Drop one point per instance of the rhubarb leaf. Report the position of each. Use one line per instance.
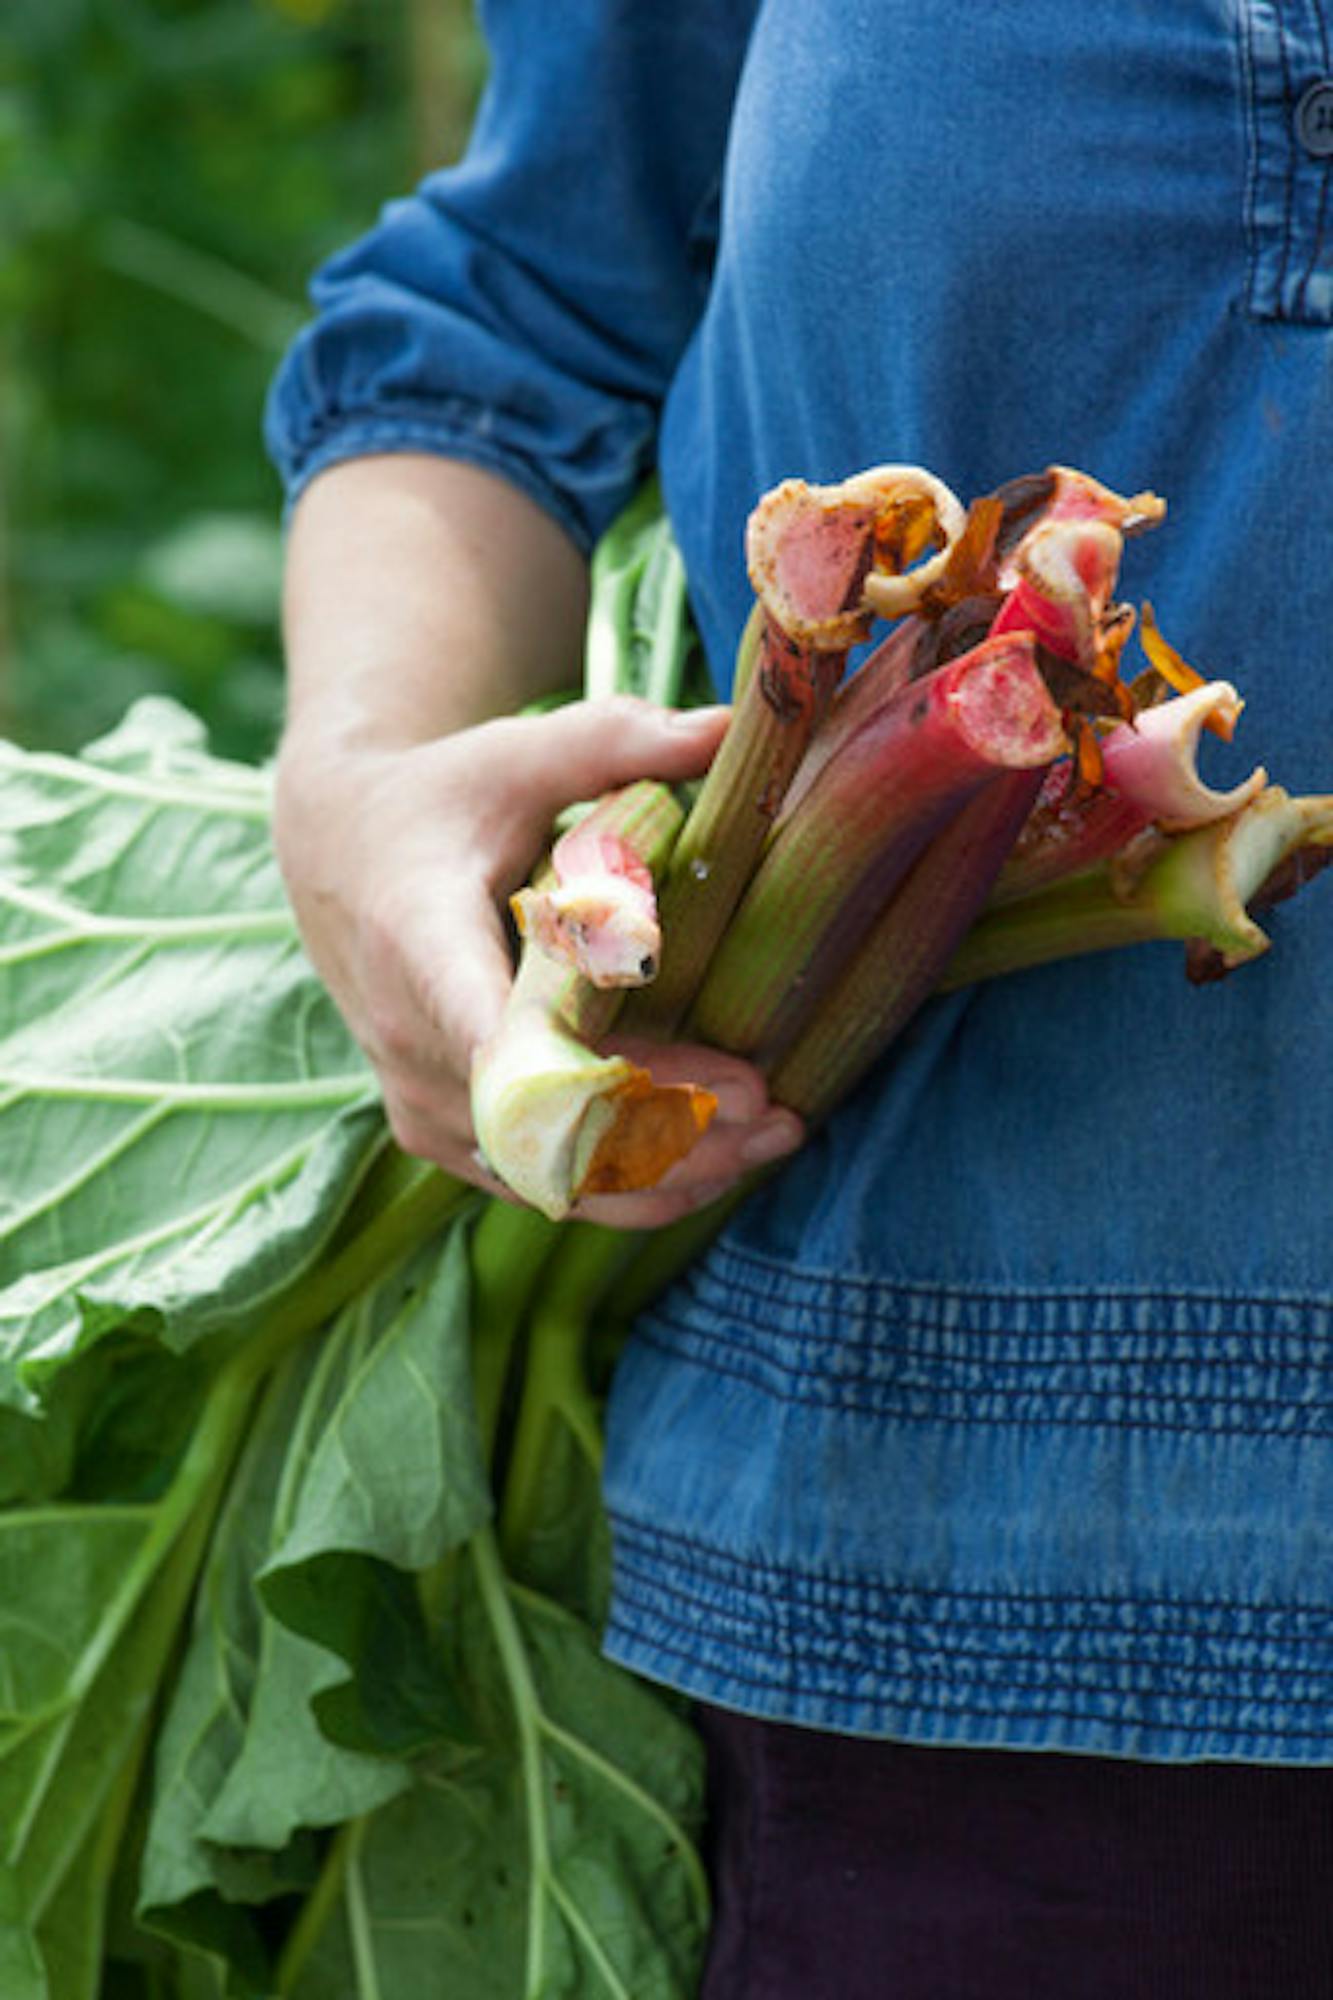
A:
(554, 1857)
(22, 1973)
(244, 1632)
(85, 1638)
(409, 1381)
(267, 1738)
(368, 1529)
(183, 1117)
(240, 1718)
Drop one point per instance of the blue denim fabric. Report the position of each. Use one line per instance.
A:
(1003, 1416)
(527, 309)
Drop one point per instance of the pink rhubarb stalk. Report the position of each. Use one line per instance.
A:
(810, 551)
(904, 952)
(834, 864)
(599, 913)
(1193, 885)
(866, 533)
(1152, 762)
(1150, 777)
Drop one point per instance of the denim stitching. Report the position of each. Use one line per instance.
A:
(920, 1331)
(973, 1652)
(739, 1266)
(1289, 190)
(1303, 291)
(846, 1618)
(958, 1407)
(918, 1702)
(841, 1582)
(995, 1355)
(1278, 1685)
(1213, 1689)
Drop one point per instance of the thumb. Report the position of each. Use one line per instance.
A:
(591, 747)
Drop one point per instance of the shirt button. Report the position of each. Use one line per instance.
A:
(1314, 119)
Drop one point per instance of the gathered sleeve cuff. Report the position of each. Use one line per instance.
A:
(526, 309)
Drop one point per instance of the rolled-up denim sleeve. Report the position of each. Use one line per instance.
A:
(526, 309)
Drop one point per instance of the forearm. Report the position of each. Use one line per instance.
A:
(425, 602)
(423, 595)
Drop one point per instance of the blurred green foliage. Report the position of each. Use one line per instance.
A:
(170, 173)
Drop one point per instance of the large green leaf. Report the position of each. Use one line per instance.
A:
(183, 1116)
(407, 1380)
(242, 1704)
(553, 1858)
(92, 1603)
(257, 1404)
(247, 1763)
(22, 1973)
(365, 1545)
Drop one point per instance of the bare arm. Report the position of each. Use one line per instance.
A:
(423, 595)
(425, 601)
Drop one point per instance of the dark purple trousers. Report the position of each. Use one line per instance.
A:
(854, 1870)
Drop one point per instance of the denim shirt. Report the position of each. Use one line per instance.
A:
(1004, 1415)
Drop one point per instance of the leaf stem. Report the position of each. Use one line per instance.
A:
(523, 1697)
(254, 802)
(170, 1093)
(316, 1911)
(510, 1250)
(555, 1386)
(359, 1927)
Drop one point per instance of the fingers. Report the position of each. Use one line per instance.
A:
(441, 982)
(747, 1133)
(457, 972)
(400, 896)
(591, 747)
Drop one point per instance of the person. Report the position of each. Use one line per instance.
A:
(978, 1483)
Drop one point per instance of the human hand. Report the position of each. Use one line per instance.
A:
(399, 858)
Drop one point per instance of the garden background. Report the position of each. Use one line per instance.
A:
(171, 171)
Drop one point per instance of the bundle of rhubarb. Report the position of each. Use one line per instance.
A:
(988, 789)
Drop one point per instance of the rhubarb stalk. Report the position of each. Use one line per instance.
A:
(595, 907)
(554, 1119)
(905, 950)
(837, 860)
(1150, 776)
(810, 551)
(1194, 885)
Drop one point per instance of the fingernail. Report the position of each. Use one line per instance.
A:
(738, 1103)
(770, 1140)
(697, 718)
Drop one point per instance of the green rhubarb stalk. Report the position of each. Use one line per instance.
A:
(556, 1394)
(1193, 885)
(900, 962)
(783, 695)
(664, 607)
(542, 1101)
(663, 1255)
(508, 1255)
(835, 863)
(553, 1118)
(618, 565)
